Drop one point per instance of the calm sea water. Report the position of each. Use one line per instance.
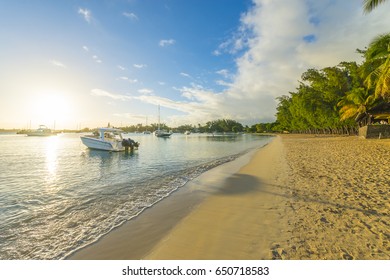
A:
(57, 196)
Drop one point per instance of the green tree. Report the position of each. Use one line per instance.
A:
(358, 99)
(223, 125)
(313, 106)
(283, 114)
(377, 66)
(356, 102)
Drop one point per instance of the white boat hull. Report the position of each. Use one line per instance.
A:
(161, 133)
(41, 134)
(98, 144)
(41, 131)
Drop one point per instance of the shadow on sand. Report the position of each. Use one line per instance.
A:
(239, 184)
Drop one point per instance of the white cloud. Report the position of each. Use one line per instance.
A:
(131, 16)
(103, 93)
(131, 81)
(85, 48)
(216, 52)
(165, 43)
(223, 83)
(120, 67)
(224, 73)
(139, 66)
(185, 75)
(86, 14)
(57, 63)
(230, 46)
(96, 59)
(145, 91)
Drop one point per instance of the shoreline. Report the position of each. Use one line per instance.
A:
(136, 237)
(243, 219)
(298, 197)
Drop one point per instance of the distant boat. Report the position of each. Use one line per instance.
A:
(23, 131)
(108, 139)
(187, 132)
(160, 132)
(41, 131)
(147, 131)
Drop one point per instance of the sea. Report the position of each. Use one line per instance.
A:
(57, 196)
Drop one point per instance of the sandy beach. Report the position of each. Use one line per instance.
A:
(300, 197)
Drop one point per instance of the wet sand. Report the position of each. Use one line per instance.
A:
(297, 198)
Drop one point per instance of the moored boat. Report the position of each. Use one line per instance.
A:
(162, 133)
(43, 130)
(108, 139)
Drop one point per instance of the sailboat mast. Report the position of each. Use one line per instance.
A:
(159, 117)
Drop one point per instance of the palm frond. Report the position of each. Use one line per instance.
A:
(348, 113)
(369, 5)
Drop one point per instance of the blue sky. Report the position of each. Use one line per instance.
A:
(87, 63)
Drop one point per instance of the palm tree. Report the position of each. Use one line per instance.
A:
(355, 102)
(377, 66)
(369, 5)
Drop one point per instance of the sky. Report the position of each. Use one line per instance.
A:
(81, 63)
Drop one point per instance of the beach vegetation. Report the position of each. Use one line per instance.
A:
(377, 66)
(329, 100)
(223, 125)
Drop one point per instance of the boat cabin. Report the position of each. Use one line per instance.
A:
(110, 134)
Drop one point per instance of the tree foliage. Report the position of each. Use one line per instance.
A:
(223, 125)
(330, 99)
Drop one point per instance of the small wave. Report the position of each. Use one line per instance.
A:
(164, 186)
(88, 203)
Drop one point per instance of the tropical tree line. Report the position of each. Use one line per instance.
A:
(220, 125)
(328, 100)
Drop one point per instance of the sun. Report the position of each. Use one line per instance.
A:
(50, 106)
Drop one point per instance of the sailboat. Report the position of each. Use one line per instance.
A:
(159, 132)
(147, 131)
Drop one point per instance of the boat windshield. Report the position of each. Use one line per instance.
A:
(112, 135)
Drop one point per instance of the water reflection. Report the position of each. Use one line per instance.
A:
(100, 155)
(51, 161)
(223, 138)
(108, 159)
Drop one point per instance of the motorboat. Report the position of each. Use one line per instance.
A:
(187, 132)
(43, 130)
(108, 139)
